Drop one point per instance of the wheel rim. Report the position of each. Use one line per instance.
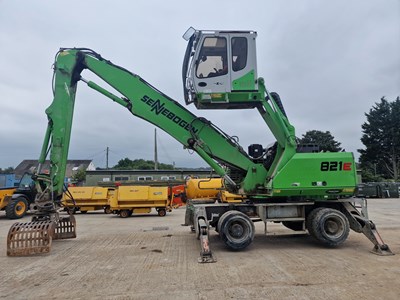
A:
(333, 227)
(238, 231)
(20, 208)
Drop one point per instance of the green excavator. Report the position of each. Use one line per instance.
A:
(298, 185)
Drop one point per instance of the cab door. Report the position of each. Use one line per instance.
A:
(211, 72)
(243, 61)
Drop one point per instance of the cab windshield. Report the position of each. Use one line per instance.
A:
(26, 182)
(213, 58)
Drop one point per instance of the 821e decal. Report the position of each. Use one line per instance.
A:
(335, 166)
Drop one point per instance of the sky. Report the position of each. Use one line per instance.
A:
(330, 61)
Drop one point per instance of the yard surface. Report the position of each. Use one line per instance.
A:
(151, 257)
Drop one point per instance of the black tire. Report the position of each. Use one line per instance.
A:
(222, 219)
(107, 210)
(329, 226)
(16, 208)
(125, 213)
(236, 230)
(84, 211)
(162, 212)
(309, 219)
(70, 210)
(293, 225)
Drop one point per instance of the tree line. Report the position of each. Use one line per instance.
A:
(140, 164)
(8, 170)
(380, 159)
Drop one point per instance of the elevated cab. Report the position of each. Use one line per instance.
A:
(220, 69)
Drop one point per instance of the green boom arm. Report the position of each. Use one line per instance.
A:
(144, 101)
(317, 175)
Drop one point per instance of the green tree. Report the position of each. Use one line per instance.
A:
(79, 175)
(8, 170)
(324, 140)
(140, 164)
(381, 138)
(124, 164)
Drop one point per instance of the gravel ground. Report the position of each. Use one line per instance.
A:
(149, 257)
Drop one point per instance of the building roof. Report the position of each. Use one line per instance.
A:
(151, 171)
(29, 165)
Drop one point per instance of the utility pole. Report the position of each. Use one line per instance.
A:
(107, 150)
(155, 150)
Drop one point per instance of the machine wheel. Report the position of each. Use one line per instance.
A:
(16, 208)
(162, 212)
(236, 230)
(329, 226)
(84, 211)
(107, 210)
(309, 219)
(74, 210)
(293, 225)
(125, 213)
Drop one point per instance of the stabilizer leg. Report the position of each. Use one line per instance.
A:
(361, 224)
(205, 252)
(202, 229)
(373, 235)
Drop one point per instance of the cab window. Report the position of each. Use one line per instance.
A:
(239, 53)
(212, 60)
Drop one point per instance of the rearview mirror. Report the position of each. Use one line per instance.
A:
(188, 34)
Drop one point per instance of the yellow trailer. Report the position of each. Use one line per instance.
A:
(140, 199)
(87, 198)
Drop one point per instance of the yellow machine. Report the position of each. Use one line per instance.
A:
(5, 196)
(210, 189)
(203, 188)
(85, 199)
(140, 199)
(225, 196)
